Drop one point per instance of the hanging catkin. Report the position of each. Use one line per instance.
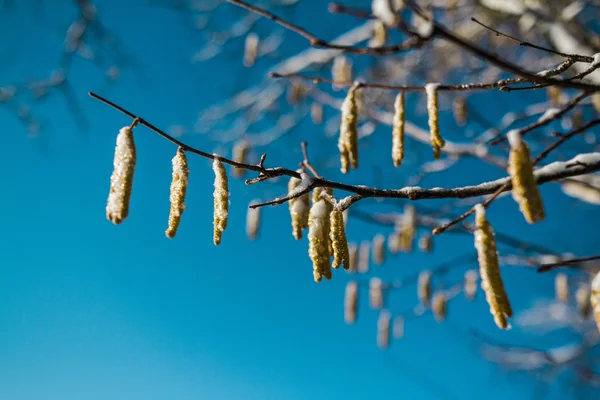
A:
(316, 196)
(595, 299)
(525, 191)
(460, 110)
(554, 95)
(439, 306)
(470, 284)
(383, 329)
(121, 180)
(179, 186)
(341, 71)
(299, 209)
(364, 256)
(351, 302)
(376, 293)
(379, 35)
(394, 242)
(352, 258)
(250, 49)
(398, 122)
(561, 288)
(426, 243)
(582, 297)
(252, 221)
(489, 270)
(240, 155)
(221, 200)
(316, 113)
(348, 140)
(398, 327)
(318, 240)
(379, 249)
(339, 243)
(408, 228)
(424, 288)
(433, 111)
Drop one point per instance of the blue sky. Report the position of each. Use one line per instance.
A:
(89, 310)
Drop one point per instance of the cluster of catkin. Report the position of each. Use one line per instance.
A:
(121, 184)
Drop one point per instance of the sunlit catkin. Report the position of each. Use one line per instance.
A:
(383, 329)
(379, 249)
(348, 140)
(489, 270)
(554, 95)
(299, 210)
(595, 298)
(351, 302)
(398, 327)
(393, 242)
(460, 110)
(252, 221)
(221, 200)
(398, 122)
(339, 242)
(341, 71)
(408, 228)
(379, 35)
(240, 155)
(318, 240)
(376, 293)
(439, 306)
(561, 288)
(121, 180)
(424, 288)
(433, 111)
(364, 256)
(352, 258)
(426, 243)
(582, 298)
(251, 49)
(179, 185)
(470, 284)
(525, 190)
(596, 101)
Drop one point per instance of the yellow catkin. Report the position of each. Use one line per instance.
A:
(489, 270)
(383, 329)
(595, 298)
(318, 240)
(433, 111)
(379, 249)
(408, 228)
(240, 154)
(299, 209)
(424, 288)
(379, 35)
(460, 110)
(121, 180)
(525, 190)
(251, 49)
(426, 243)
(296, 92)
(339, 243)
(341, 71)
(221, 200)
(398, 327)
(252, 221)
(352, 258)
(179, 186)
(596, 101)
(561, 288)
(348, 140)
(316, 196)
(470, 284)
(439, 306)
(582, 298)
(398, 123)
(554, 95)
(316, 113)
(364, 256)
(351, 302)
(393, 242)
(376, 293)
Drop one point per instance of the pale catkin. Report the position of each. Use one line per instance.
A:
(582, 298)
(352, 258)
(393, 242)
(424, 288)
(299, 209)
(439, 306)
(316, 196)
(379, 249)
(179, 184)
(383, 329)
(241, 149)
(398, 327)
(318, 240)
(121, 180)
(351, 302)
(221, 200)
(348, 140)
(398, 122)
(595, 299)
(561, 288)
(408, 228)
(489, 270)
(379, 35)
(433, 111)
(251, 49)
(525, 190)
(376, 293)
(364, 256)
(252, 221)
(341, 71)
(426, 243)
(596, 101)
(470, 284)
(339, 243)
(316, 113)
(554, 95)
(460, 110)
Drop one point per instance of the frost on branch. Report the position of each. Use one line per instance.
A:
(121, 180)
